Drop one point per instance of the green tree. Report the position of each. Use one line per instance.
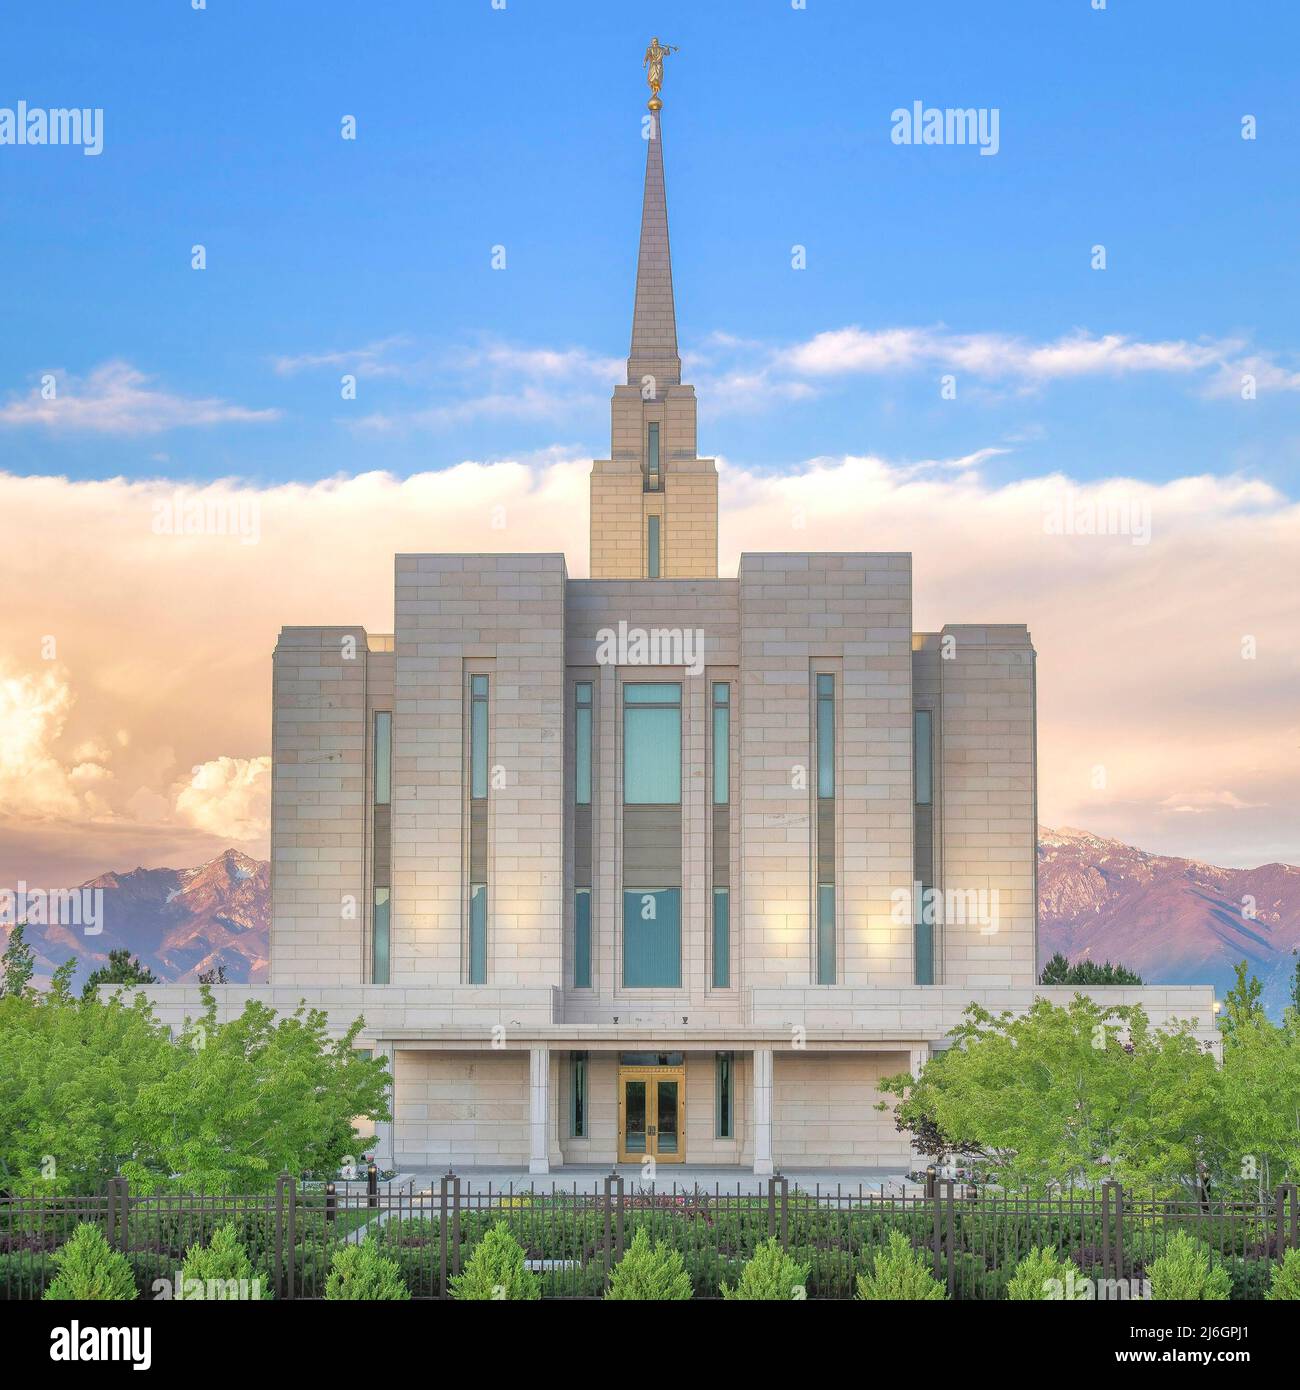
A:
(122, 969)
(221, 1270)
(770, 1274)
(1059, 971)
(1285, 1285)
(1188, 1271)
(900, 1273)
(1060, 1094)
(360, 1273)
(649, 1273)
(495, 1270)
(88, 1269)
(1043, 1274)
(18, 964)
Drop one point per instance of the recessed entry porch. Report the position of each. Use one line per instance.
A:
(659, 1114)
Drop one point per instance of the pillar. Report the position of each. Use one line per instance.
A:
(762, 1112)
(539, 1098)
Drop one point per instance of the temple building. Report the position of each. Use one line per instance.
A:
(661, 863)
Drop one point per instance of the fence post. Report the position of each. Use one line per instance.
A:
(607, 1248)
(443, 1189)
(1286, 1233)
(785, 1210)
(372, 1184)
(949, 1195)
(932, 1192)
(771, 1206)
(618, 1218)
(116, 1215)
(931, 1177)
(1112, 1235)
(286, 1220)
(455, 1223)
(279, 1236)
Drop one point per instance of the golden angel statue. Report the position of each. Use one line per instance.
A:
(654, 66)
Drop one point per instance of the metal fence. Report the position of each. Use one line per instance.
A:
(573, 1238)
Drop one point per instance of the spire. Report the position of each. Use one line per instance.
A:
(654, 319)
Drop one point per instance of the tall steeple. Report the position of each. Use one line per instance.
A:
(654, 317)
(654, 505)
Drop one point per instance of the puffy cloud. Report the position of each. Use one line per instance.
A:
(228, 797)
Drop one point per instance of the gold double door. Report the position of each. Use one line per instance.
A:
(652, 1114)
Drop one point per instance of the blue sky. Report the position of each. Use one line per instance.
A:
(521, 127)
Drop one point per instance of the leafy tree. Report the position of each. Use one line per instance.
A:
(770, 1274)
(360, 1273)
(18, 964)
(495, 1270)
(221, 1270)
(899, 1272)
(122, 969)
(1042, 1274)
(213, 977)
(1059, 971)
(653, 1273)
(1285, 1285)
(258, 1095)
(1187, 1270)
(88, 1269)
(1058, 1095)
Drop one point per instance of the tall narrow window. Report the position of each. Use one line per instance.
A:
(478, 934)
(721, 938)
(652, 457)
(825, 735)
(582, 749)
(582, 938)
(725, 1067)
(478, 736)
(721, 743)
(476, 971)
(652, 938)
(825, 933)
(578, 1095)
(383, 757)
(652, 745)
(381, 840)
(923, 757)
(380, 919)
(652, 547)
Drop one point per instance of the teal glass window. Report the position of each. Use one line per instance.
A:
(478, 736)
(923, 935)
(725, 1069)
(380, 924)
(825, 735)
(721, 938)
(582, 748)
(383, 757)
(652, 745)
(652, 938)
(652, 457)
(652, 547)
(578, 1095)
(721, 743)
(582, 938)
(478, 934)
(923, 757)
(825, 933)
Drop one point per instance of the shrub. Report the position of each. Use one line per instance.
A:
(495, 1270)
(1044, 1273)
(359, 1273)
(88, 1269)
(770, 1274)
(221, 1270)
(900, 1273)
(1286, 1278)
(649, 1272)
(1187, 1271)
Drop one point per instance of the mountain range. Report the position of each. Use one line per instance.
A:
(1174, 921)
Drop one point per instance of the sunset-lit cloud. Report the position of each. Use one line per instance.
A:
(1167, 666)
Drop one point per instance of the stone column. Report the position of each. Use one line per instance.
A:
(539, 1097)
(919, 1056)
(385, 1130)
(762, 1112)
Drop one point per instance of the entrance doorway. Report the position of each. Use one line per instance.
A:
(652, 1114)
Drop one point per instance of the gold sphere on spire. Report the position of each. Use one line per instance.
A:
(654, 66)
